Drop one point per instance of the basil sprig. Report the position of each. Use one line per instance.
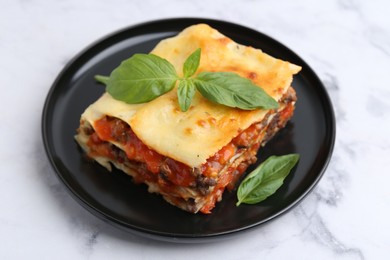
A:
(265, 179)
(144, 77)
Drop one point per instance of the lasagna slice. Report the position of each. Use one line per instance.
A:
(191, 157)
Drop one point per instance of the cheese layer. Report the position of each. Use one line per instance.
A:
(192, 137)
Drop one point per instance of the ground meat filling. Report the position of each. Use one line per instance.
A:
(169, 174)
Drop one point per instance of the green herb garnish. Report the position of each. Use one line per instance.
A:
(144, 77)
(265, 179)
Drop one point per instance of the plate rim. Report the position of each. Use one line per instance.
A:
(165, 236)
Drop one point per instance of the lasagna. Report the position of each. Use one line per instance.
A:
(190, 158)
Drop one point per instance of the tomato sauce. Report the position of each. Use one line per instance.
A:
(178, 174)
(107, 130)
(223, 181)
(286, 113)
(215, 163)
(99, 147)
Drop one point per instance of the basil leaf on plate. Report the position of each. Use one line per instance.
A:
(265, 179)
(191, 64)
(141, 78)
(185, 93)
(231, 90)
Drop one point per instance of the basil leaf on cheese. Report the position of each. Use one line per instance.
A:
(191, 64)
(144, 77)
(141, 78)
(231, 90)
(102, 79)
(185, 93)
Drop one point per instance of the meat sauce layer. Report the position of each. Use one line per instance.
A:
(168, 173)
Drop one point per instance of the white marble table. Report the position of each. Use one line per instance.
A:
(347, 216)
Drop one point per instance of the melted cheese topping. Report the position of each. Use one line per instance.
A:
(192, 137)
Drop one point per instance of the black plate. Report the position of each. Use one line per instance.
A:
(114, 198)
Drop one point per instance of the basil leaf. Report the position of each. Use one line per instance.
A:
(141, 78)
(102, 79)
(265, 179)
(191, 64)
(144, 77)
(185, 93)
(231, 90)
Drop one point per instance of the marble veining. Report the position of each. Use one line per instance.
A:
(332, 86)
(317, 230)
(346, 42)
